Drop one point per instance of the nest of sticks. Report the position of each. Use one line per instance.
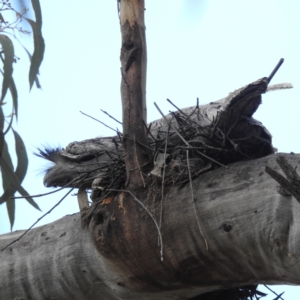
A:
(183, 150)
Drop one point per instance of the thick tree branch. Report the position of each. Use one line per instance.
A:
(253, 233)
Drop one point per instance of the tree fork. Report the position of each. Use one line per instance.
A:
(133, 91)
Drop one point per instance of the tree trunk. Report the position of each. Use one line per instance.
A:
(251, 228)
(133, 92)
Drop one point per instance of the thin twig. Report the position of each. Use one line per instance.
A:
(212, 160)
(178, 109)
(41, 195)
(193, 199)
(275, 70)
(274, 292)
(111, 116)
(170, 123)
(99, 121)
(48, 212)
(163, 180)
(149, 213)
(148, 130)
(143, 145)
(137, 161)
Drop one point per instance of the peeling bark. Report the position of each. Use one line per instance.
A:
(252, 230)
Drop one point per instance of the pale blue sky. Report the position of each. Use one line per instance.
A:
(196, 48)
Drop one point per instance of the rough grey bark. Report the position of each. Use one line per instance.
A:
(252, 231)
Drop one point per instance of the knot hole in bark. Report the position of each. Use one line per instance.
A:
(128, 45)
(226, 227)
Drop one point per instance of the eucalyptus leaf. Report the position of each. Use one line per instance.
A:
(1, 131)
(15, 184)
(8, 50)
(14, 95)
(1, 18)
(8, 188)
(6, 156)
(39, 44)
(21, 156)
(37, 82)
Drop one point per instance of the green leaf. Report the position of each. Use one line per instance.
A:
(15, 185)
(14, 95)
(39, 44)
(22, 166)
(22, 157)
(36, 77)
(8, 192)
(1, 131)
(16, 177)
(1, 18)
(6, 156)
(2, 119)
(8, 50)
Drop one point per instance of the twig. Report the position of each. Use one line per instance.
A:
(275, 70)
(163, 179)
(137, 161)
(278, 296)
(193, 199)
(178, 109)
(99, 121)
(41, 195)
(212, 160)
(149, 213)
(148, 130)
(170, 123)
(138, 168)
(111, 116)
(48, 212)
(132, 139)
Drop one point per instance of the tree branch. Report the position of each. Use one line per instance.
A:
(133, 91)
